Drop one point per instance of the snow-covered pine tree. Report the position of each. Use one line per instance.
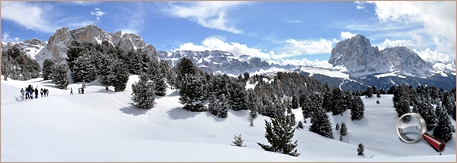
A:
(238, 141)
(218, 106)
(344, 129)
(119, 75)
(369, 92)
(104, 69)
(327, 103)
(444, 128)
(321, 124)
(238, 96)
(47, 69)
(59, 75)
(83, 69)
(252, 104)
(143, 93)
(183, 67)
(75, 49)
(360, 149)
(429, 115)
(279, 134)
(358, 109)
(191, 92)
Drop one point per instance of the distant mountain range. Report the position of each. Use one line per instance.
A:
(356, 64)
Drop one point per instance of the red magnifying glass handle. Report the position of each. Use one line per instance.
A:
(437, 144)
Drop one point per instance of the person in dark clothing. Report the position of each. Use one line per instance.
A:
(26, 93)
(36, 92)
(41, 92)
(71, 91)
(82, 90)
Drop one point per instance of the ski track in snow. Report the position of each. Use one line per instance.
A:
(100, 126)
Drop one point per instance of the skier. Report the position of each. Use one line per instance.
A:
(22, 93)
(36, 92)
(79, 90)
(41, 92)
(106, 88)
(82, 90)
(71, 91)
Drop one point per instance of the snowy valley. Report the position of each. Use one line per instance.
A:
(103, 126)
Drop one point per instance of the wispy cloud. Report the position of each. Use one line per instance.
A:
(132, 18)
(85, 3)
(237, 49)
(28, 15)
(7, 38)
(209, 14)
(294, 21)
(97, 13)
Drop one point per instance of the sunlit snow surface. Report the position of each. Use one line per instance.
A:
(100, 126)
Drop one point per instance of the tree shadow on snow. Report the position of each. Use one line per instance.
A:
(180, 113)
(215, 118)
(239, 113)
(133, 111)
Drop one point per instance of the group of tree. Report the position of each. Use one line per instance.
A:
(422, 100)
(17, 66)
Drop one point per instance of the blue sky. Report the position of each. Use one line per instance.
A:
(285, 32)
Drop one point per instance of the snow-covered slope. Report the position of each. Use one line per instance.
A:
(100, 126)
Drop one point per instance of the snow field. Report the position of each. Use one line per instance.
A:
(100, 126)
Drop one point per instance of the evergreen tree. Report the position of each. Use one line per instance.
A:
(321, 124)
(337, 101)
(83, 69)
(253, 104)
(48, 64)
(238, 141)
(143, 93)
(369, 92)
(104, 69)
(238, 100)
(357, 110)
(119, 76)
(444, 128)
(218, 106)
(279, 134)
(295, 103)
(183, 67)
(59, 75)
(344, 130)
(191, 92)
(360, 149)
(75, 49)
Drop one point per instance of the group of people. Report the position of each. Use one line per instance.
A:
(80, 90)
(29, 91)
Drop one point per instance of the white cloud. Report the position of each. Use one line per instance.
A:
(6, 38)
(437, 18)
(432, 56)
(294, 21)
(360, 5)
(237, 49)
(27, 15)
(398, 43)
(97, 13)
(321, 46)
(132, 18)
(210, 14)
(347, 35)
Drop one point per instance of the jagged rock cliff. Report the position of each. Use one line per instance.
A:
(360, 59)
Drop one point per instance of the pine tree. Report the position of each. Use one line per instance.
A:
(357, 110)
(344, 130)
(83, 69)
(191, 92)
(252, 104)
(238, 96)
(119, 75)
(183, 67)
(369, 92)
(143, 93)
(295, 103)
(104, 69)
(279, 134)
(218, 106)
(360, 149)
(337, 101)
(321, 124)
(238, 141)
(47, 68)
(444, 128)
(59, 75)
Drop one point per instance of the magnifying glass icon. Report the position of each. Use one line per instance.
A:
(411, 128)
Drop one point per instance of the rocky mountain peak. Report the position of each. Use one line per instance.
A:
(360, 59)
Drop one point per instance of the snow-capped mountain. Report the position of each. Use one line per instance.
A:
(361, 59)
(216, 61)
(30, 47)
(56, 47)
